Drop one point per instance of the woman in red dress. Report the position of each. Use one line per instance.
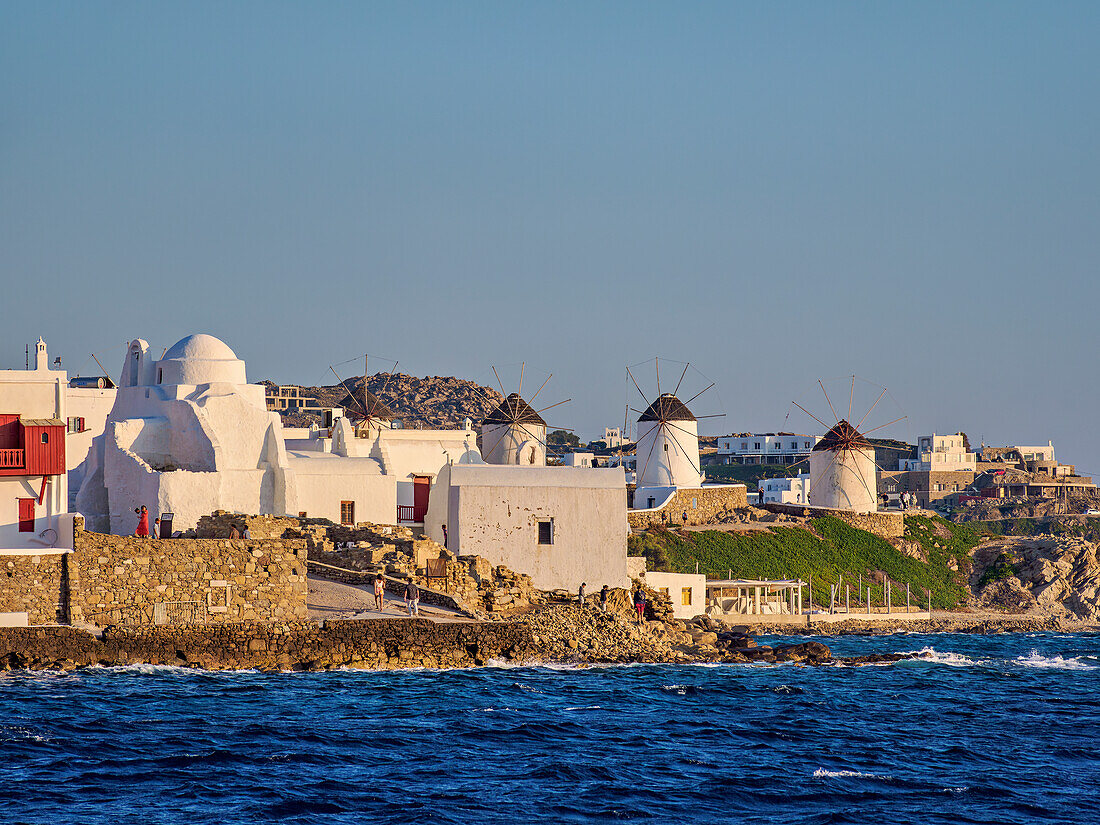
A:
(143, 522)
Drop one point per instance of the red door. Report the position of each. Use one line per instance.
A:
(422, 485)
(26, 515)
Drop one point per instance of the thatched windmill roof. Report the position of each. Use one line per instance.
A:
(843, 436)
(667, 407)
(514, 410)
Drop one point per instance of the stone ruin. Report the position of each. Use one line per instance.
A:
(472, 581)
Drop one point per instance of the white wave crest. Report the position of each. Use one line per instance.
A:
(822, 773)
(1036, 660)
(930, 654)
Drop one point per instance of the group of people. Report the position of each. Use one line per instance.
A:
(412, 596)
(639, 598)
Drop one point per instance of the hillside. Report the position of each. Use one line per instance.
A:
(429, 402)
(935, 556)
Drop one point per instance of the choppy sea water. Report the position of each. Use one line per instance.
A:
(991, 729)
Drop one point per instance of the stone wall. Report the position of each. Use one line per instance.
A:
(703, 505)
(374, 644)
(885, 524)
(123, 580)
(35, 585)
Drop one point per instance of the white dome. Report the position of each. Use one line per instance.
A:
(200, 359)
(200, 346)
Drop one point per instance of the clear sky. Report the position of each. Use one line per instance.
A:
(777, 192)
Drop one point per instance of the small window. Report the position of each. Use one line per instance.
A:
(695, 504)
(45, 438)
(160, 375)
(756, 445)
(666, 446)
(546, 532)
(347, 512)
(744, 445)
(685, 596)
(806, 444)
(301, 514)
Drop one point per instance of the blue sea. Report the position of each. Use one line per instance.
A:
(990, 729)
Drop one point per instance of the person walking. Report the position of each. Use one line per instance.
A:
(379, 593)
(603, 599)
(143, 522)
(156, 528)
(580, 594)
(412, 598)
(685, 517)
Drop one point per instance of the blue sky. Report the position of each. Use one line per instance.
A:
(777, 192)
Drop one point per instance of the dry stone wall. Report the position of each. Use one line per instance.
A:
(124, 580)
(887, 525)
(703, 505)
(35, 585)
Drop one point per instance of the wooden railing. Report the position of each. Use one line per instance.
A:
(11, 459)
(405, 514)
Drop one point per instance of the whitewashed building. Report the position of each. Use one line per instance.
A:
(766, 448)
(791, 490)
(560, 525)
(939, 454)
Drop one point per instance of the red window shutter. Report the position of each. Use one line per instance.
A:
(26, 515)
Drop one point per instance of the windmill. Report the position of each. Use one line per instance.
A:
(667, 444)
(515, 432)
(843, 470)
(376, 415)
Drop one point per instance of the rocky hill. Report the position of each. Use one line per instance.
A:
(428, 402)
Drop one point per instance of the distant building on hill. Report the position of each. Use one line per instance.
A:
(765, 448)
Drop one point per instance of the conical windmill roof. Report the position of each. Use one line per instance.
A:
(667, 407)
(843, 436)
(514, 410)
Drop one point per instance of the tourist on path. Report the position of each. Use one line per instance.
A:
(156, 528)
(247, 534)
(143, 522)
(603, 599)
(639, 603)
(580, 593)
(412, 598)
(379, 593)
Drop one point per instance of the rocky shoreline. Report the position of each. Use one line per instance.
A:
(558, 634)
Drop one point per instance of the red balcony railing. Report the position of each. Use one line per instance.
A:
(14, 459)
(405, 514)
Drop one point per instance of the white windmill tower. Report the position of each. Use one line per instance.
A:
(515, 432)
(843, 471)
(667, 451)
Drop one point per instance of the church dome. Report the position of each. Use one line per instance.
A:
(200, 359)
(202, 347)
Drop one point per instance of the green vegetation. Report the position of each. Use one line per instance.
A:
(1090, 529)
(749, 474)
(832, 550)
(560, 438)
(1001, 568)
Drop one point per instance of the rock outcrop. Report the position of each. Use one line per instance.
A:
(428, 402)
(1057, 575)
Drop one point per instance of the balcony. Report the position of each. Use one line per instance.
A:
(405, 514)
(12, 459)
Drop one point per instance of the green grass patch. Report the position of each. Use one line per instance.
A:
(837, 550)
